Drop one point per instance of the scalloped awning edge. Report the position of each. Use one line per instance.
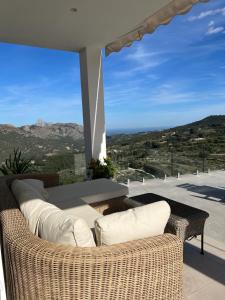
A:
(149, 25)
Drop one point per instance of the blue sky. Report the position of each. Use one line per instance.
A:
(171, 77)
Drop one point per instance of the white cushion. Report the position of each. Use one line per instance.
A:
(48, 221)
(30, 201)
(133, 224)
(37, 185)
(56, 226)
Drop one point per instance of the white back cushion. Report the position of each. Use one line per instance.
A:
(48, 221)
(136, 223)
(30, 201)
(56, 226)
(37, 185)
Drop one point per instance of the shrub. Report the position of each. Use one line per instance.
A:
(153, 170)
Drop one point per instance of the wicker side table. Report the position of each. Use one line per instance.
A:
(185, 221)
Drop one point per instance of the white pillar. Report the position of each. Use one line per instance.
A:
(2, 280)
(93, 103)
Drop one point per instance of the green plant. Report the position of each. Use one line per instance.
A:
(15, 164)
(100, 169)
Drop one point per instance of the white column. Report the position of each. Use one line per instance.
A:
(2, 281)
(93, 103)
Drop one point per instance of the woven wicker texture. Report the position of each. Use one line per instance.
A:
(36, 269)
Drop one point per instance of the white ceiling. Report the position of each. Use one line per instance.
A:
(51, 23)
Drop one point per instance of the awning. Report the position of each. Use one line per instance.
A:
(149, 25)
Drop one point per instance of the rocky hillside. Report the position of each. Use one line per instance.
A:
(54, 131)
(41, 140)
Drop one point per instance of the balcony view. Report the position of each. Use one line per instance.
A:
(112, 150)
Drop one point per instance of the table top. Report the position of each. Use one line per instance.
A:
(93, 191)
(177, 208)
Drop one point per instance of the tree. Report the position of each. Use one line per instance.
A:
(155, 145)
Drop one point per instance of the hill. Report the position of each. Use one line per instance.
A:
(210, 121)
(54, 131)
(198, 145)
(41, 140)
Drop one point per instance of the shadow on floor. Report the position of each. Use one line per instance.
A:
(203, 197)
(207, 192)
(209, 264)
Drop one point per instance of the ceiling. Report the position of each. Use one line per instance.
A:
(52, 24)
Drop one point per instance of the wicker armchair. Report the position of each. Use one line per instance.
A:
(36, 269)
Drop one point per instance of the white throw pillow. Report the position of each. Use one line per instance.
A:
(37, 185)
(30, 201)
(133, 224)
(54, 225)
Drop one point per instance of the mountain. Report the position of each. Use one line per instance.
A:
(55, 131)
(184, 149)
(41, 140)
(210, 121)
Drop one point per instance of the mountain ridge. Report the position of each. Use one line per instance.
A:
(43, 129)
(47, 139)
(49, 130)
(41, 140)
(210, 121)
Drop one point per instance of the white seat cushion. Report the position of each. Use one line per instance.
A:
(136, 223)
(54, 225)
(30, 201)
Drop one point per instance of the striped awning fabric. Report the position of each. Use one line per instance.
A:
(149, 25)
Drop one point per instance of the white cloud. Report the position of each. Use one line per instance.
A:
(207, 13)
(129, 72)
(142, 59)
(213, 30)
(140, 54)
(117, 94)
(171, 93)
(211, 23)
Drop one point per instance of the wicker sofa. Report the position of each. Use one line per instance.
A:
(37, 269)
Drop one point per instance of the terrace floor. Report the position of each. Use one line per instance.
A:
(204, 276)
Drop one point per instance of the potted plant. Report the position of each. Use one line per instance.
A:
(99, 169)
(16, 164)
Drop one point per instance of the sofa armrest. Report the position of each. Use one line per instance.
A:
(48, 179)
